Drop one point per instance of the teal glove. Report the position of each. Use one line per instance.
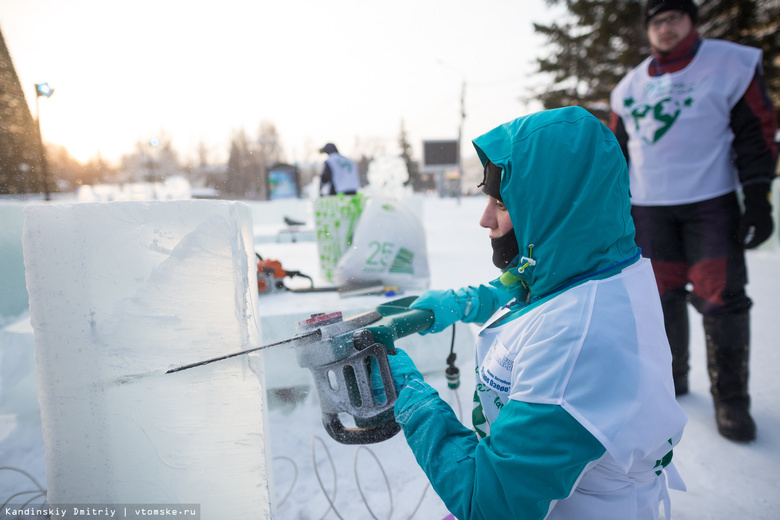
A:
(468, 304)
(403, 369)
(413, 392)
(446, 306)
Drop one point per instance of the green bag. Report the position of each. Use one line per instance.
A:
(335, 219)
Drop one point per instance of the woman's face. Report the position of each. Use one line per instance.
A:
(496, 218)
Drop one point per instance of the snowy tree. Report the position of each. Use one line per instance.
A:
(21, 160)
(152, 161)
(419, 181)
(599, 41)
(248, 162)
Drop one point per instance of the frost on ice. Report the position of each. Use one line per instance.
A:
(119, 293)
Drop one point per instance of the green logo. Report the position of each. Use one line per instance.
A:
(403, 262)
(653, 121)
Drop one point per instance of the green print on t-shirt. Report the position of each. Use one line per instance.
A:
(660, 114)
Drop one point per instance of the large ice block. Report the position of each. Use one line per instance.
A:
(119, 293)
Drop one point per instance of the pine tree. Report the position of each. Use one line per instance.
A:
(595, 46)
(235, 182)
(418, 180)
(749, 22)
(412, 167)
(601, 40)
(20, 150)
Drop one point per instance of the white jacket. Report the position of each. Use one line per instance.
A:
(558, 352)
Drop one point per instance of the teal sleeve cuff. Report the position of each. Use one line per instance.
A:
(488, 300)
(468, 304)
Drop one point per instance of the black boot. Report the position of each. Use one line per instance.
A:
(677, 331)
(728, 349)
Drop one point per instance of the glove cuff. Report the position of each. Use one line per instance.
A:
(412, 397)
(756, 196)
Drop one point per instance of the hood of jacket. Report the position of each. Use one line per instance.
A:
(564, 182)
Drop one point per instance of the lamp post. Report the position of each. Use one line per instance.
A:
(42, 89)
(460, 125)
(460, 137)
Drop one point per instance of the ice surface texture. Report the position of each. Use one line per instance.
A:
(119, 293)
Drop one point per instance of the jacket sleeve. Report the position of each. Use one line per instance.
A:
(619, 129)
(327, 175)
(488, 300)
(326, 181)
(534, 455)
(754, 126)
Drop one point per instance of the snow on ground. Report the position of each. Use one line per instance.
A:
(725, 480)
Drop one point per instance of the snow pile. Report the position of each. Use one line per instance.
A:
(119, 293)
(174, 187)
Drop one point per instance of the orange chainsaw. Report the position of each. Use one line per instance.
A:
(271, 275)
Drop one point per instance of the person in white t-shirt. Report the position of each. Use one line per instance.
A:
(696, 126)
(339, 174)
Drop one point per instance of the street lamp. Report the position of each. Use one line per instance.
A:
(460, 136)
(460, 126)
(42, 89)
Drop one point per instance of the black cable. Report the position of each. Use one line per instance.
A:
(292, 274)
(452, 372)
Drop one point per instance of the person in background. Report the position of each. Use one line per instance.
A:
(575, 414)
(339, 175)
(695, 124)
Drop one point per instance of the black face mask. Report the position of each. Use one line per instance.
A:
(505, 249)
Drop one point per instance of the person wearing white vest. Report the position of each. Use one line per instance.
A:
(575, 415)
(339, 175)
(696, 126)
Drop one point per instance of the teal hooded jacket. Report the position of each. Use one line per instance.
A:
(564, 182)
(566, 189)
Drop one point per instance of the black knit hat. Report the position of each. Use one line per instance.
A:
(491, 182)
(329, 148)
(654, 7)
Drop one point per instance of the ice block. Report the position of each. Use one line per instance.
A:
(119, 293)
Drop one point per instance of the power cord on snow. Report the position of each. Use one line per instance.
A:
(384, 475)
(294, 479)
(37, 493)
(357, 480)
(319, 480)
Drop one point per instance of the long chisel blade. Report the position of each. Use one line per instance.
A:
(312, 334)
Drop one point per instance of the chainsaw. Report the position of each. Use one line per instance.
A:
(271, 275)
(348, 360)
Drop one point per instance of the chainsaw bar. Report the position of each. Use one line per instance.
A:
(316, 328)
(314, 335)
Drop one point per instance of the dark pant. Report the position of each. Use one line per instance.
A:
(696, 244)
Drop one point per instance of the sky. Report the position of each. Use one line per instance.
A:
(342, 71)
